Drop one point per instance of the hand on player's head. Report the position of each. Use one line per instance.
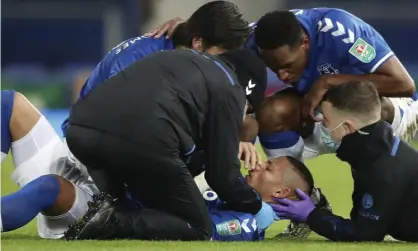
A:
(166, 28)
(279, 178)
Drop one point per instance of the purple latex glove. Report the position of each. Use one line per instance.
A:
(297, 210)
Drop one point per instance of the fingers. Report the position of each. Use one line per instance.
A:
(254, 156)
(162, 30)
(302, 194)
(247, 157)
(306, 106)
(312, 112)
(259, 158)
(240, 151)
(285, 202)
(278, 208)
(249, 154)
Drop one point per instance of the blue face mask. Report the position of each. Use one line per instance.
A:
(326, 138)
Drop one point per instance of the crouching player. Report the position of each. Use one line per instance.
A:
(52, 185)
(280, 117)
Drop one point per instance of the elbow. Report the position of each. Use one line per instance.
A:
(217, 185)
(360, 237)
(407, 86)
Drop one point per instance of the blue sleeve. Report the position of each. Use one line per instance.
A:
(356, 42)
(122, 56)
(119, 58)
(228, 225)
(7, 101)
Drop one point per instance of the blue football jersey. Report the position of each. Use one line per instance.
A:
(119, 58)
(228, 225)
(340, 43)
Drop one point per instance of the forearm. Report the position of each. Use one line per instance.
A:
(337, 228)
(386, 85)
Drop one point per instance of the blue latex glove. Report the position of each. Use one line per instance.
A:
(294, 210)
(265, 217)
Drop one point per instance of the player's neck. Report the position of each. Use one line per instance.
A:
(214, 50)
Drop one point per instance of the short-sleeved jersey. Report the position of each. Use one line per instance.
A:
(119, 58)
(340, 43)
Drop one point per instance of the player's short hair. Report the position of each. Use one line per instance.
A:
(276, 29)
(219, 23)
(303, 172)
(181, 36)
(356, 97)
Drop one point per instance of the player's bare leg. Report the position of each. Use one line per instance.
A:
(48, 194)
(24, 117)
(18, 118)
(40, 158)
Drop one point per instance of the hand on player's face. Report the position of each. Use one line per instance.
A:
(249, 154)
(166, 28)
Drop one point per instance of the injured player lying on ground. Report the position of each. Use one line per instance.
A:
(276, 178)
(55, 186)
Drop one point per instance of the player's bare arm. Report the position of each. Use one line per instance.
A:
(390, 79)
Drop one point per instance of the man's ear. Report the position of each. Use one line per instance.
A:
(197, 44)
(305, 42)
(282, 193)
(349, 126)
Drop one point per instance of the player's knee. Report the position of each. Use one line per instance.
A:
(47, 184)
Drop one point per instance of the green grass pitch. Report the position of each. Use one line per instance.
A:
(333, 176)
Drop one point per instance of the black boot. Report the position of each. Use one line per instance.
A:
(99, 223)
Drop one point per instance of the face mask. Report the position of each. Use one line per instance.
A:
(326, 138)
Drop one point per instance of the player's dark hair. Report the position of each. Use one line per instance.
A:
(276, 29)
(219, 23)
(181, 36)
(303, 171)
(359, 97)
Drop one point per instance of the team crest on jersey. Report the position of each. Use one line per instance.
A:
(327, 69)
(363, 51)
(232, 227)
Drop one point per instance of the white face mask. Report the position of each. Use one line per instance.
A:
(326, 138)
